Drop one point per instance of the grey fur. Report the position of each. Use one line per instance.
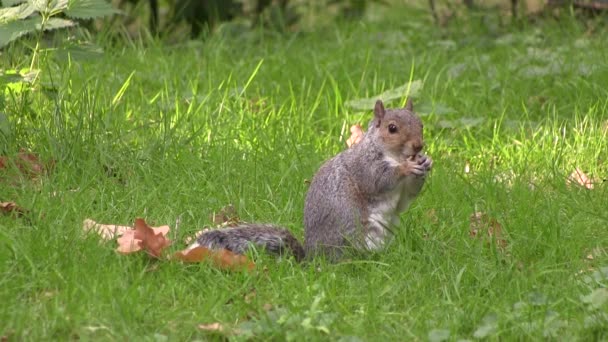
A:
(273, 239)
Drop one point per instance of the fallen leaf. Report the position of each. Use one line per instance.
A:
(579, 177)
(431, 214)
(482, 226)
(597, 298)
(27, 163)
(356, 134)
(226, 217)
(212, 327)
(12, 207)
(106, 231)
(222, 258)
(127, 243)
(250, 296)
(152, 240)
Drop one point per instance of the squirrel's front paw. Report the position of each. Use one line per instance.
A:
(412, 167)
(425, 161)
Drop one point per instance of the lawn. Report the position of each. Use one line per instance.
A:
(173, 132)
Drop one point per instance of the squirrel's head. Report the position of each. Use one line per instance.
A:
(399, 130)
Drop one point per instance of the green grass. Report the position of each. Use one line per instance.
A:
(247, 120)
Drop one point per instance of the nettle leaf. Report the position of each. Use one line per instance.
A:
(7, 3)
(597, 298)
(78, 51)
(17, 12)
(58, 5)
(56, 23)
(40, 5)
(88, 9)
(50, 6)
(439, 335)
(488, 326)
(15, 29)
(387, 96)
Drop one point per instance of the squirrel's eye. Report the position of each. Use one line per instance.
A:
(392, 128)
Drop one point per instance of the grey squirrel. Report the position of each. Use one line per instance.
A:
(354, 199)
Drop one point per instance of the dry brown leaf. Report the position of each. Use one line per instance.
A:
(579, 177)
(431, 214)
(106, 231)
(483, 227)
(151, 239)
(356, 134)
(248, 298)
(12, 207)
(27, 163)
(218, 327)
(127, 243)
(226, 217)
(222, 258)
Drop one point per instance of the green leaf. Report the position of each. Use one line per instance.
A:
(13, 76)
(488, 326)
(88, 9)
(56, 23)
(387, 96)
(40, 5)
(8, 3)
(50, 6)
(59, 6)
(15, 29)
(439, 335)
(78, 51)
(597, 298)
(15, 13)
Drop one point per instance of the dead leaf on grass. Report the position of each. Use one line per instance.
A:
(12, 208)
(356, 134)
(596, 252)
(249, 297)
(431, 214)
(222, 258)
(217, 327)
(579, 177)
(484, 227)
(153, 240)
(106, 231)
(226, 217)
(27, 163)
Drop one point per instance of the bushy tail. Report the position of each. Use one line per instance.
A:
(273, 239)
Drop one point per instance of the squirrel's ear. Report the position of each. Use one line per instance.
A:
(379, 112)
(409, 105)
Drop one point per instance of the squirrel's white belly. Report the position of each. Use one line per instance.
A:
(384, 214)
(387, 208)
